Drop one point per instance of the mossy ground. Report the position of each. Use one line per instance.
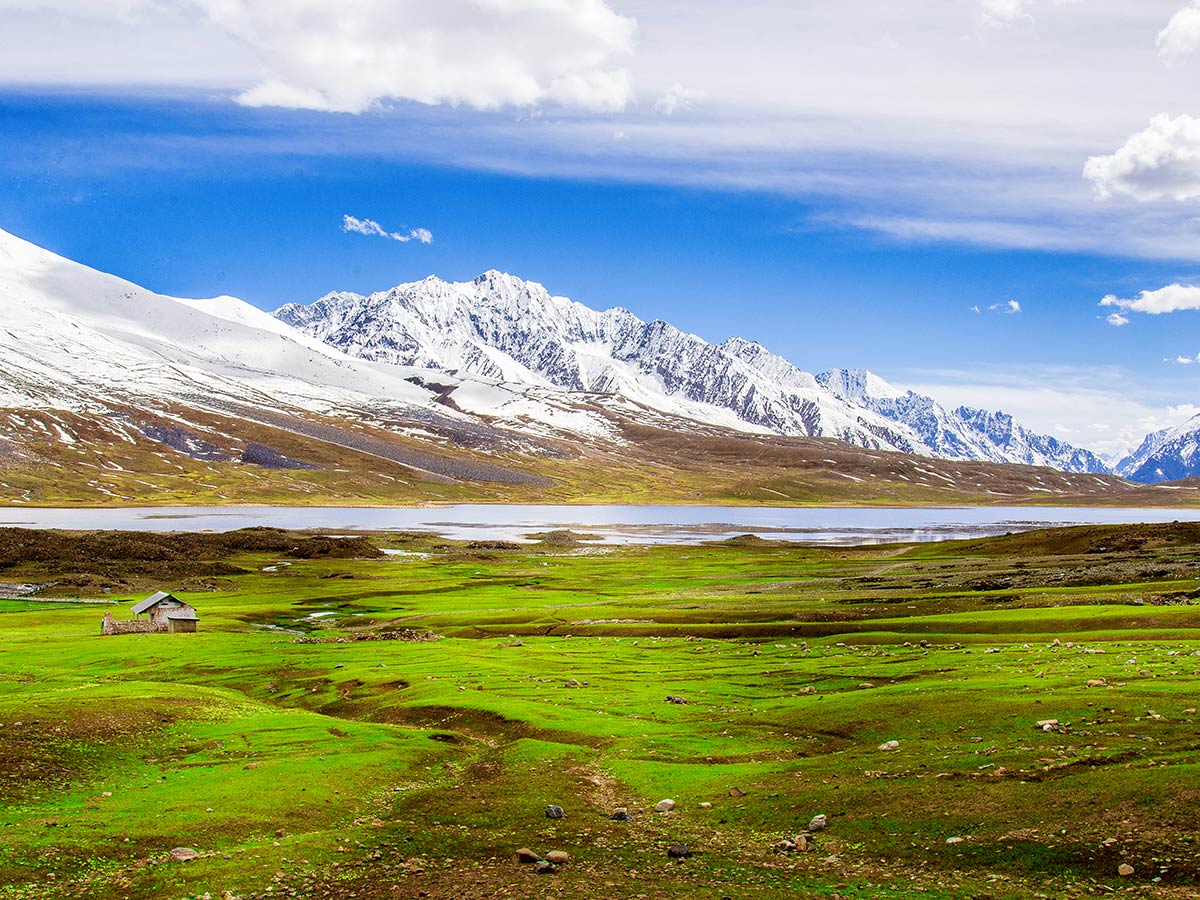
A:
(389, 769)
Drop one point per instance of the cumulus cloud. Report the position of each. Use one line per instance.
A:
(1008, 308)
(1169, 299)
(1160, 163)
(351, 55)
(1116, 320)
(1182, 34)
(1184, 360)
(371, 228)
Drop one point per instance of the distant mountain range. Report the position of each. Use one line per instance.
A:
(501, 327)
(491, 389)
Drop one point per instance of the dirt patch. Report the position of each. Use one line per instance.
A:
(54, 747)
(121, 555)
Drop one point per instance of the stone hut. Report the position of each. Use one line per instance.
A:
(164, 613)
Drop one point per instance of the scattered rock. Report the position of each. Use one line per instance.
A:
(573, 683)
(866, 684)
(954, 840)
(555, 812)
(804, 843)
(620, 814)
(818, 823)
(675, 698)
(1096, 682)
(1125, 870)
(527, 856)
(664, 806)
(183, 854)
(678, 851)
(706, 805)
(736, 792)
(558, 857)
(890, 745)
(543, 867)
(785, 846)
(1048, 725)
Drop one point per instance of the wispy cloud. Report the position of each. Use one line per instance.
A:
(1184, 360)
(1008, 308)
(1116, 320)
(372, 228)
(1169, 299)
(1004, 12)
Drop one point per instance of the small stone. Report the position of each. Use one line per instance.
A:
(183, 854)
(678, 851)
(527, 856)
(558, 857)
(818, 823)
(1125, 870)
(954, 840)
(706, 805)
(804, 843)
(890, 745)
(542, 867)
(555, 812)
(279, 832)
(620, 814)
(664, 806)
(785, 846)
(675, 698)
(736, 792)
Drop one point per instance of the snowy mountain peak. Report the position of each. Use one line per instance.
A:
(1167, 455)
(500, 326)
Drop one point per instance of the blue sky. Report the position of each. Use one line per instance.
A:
(809, 181)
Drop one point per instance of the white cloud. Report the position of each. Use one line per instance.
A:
(1162, 162)
(1004, 12)
(1116, 320)
(1184, 360)
(881, 124)
(1182, 34)
(371, 228)
(975, 309)
(1169, 299)
(676, 98)
(1008, 308)
(351, 55)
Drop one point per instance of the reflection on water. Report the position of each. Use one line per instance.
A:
(613, 524)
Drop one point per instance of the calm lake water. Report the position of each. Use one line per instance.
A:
(614, 524)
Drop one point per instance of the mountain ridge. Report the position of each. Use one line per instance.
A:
(498, 325)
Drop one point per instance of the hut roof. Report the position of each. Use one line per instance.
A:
(152, 601)
(187, 613)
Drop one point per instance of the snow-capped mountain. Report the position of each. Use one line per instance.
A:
(1167, 455)
(962, 433)
(78, 340)
(502, 327)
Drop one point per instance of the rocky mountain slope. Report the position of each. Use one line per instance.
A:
(499, 326)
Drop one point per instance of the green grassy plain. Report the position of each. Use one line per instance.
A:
(395, 769)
